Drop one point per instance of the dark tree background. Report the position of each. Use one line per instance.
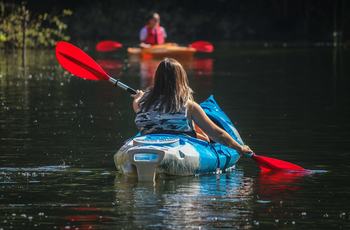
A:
(215, 20)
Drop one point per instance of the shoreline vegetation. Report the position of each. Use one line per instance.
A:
(284, 24)
(20, 28)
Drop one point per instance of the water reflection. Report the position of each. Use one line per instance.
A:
(84, 218)
(202, 67)
(198, 67)
(272, 184)
(188, 200)
(110, 64)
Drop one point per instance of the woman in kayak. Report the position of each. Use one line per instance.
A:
(152, 33)
(168, 107)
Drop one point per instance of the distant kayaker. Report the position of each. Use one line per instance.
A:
(168, 107)
(152, 33)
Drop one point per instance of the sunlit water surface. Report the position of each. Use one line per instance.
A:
(59, 134)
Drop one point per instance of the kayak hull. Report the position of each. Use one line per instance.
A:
(162, 51)
(145, 157)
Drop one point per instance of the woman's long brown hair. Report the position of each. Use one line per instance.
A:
(170, 89)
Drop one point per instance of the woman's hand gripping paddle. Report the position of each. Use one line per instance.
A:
(81, 65)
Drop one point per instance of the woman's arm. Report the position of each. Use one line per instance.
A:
(136, 102)
(212, 130)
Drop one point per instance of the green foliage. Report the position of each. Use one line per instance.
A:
(42, 30)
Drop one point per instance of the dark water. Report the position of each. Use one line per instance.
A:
(59, 133)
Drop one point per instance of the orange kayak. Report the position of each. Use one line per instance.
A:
(160, 51)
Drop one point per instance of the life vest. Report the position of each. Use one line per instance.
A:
(155, 36)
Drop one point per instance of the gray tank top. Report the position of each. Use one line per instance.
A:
(156, 121)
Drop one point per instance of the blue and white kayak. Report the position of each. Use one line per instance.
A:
(145, 157)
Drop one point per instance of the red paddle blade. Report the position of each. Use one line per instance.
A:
(106, 46)
(202, 46)
(78, 63)
(269, 164)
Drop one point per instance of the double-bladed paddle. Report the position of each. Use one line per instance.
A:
(80, 64)
(109, 45)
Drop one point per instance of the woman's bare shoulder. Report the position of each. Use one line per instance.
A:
(193, 107)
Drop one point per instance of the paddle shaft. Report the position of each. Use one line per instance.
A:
(121, 85)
